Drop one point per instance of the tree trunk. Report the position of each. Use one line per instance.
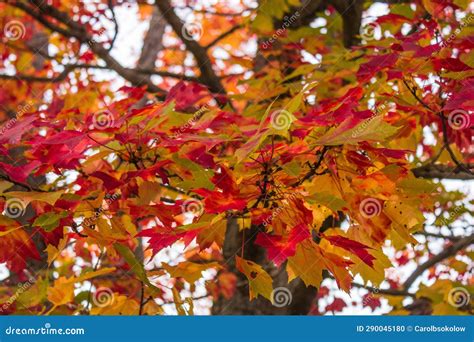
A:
(300, 300)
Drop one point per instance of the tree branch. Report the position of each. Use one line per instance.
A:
(442, 172)
(208, 76)
(78, 31)
(446, 253)
(222, 36)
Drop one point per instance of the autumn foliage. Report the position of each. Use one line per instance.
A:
(252, 151)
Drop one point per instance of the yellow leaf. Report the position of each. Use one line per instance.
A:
(27, 197)
(307, 264)
(149, 192)
(260, 282)
(372, 129)
(62, 292)
(89, 275)
(151, 308)
(180, 305)
(9, 231)
(403, 214)
(121, 305)
(4, 185)
(429, 6)
(129, 225)
(215, 232)
(395, 301)
(52, 252)
(34, 294)
(376, 273)
(189, 271)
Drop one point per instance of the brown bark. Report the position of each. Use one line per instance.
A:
(301, 296)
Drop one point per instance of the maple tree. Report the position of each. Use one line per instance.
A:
(255, 155)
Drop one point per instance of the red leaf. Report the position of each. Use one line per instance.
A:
(451, 64)
(186, 95)
(217, 202)
(280, 248)
(376, 64)
(162, 238)
(225, 180)
(110, 183)
(200, 156)
(337, 305)
(355, 247)
(371, 301)
(19, 173)
(13, 134)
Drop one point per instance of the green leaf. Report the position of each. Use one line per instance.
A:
(372, 129)
(260, 282)
(49, 221)
(201, 177)
(135, 265)
(332, 202)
